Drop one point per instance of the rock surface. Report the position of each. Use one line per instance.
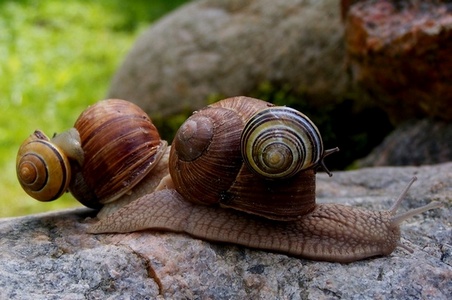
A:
(400, 52)
(414, 143)
(50, 256)
(228, 48)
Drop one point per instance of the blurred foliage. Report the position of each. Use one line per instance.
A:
(56, 58)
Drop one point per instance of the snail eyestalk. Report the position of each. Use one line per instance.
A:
(325, 154)
(397, 219)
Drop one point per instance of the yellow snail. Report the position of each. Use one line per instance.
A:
(211, 185)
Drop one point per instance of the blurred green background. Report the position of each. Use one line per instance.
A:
(56, 58)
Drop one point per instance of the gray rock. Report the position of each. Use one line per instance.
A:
(413, 143)
(50, 256)
(228, 48)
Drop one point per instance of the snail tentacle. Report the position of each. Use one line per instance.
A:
(322, 162)
(399, 218)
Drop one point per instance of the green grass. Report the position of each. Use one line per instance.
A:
(57, 57)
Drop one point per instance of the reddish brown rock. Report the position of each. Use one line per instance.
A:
(399, 51)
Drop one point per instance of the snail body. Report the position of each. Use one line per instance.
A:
(330, 232)
(213, 184)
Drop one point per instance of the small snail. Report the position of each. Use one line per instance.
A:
(243, 171)
(43, 166)
(112, 146)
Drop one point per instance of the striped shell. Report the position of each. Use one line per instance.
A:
(43, 170)
(279, 142)
(120, 145)
(208, 161)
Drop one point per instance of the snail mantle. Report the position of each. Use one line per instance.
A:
(51, 255)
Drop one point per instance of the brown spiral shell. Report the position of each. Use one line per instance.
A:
(120, 145)
(207, 166)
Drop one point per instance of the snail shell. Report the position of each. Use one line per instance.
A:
(279, 142)
(112, 146)
(120, 144)
(249, 155)
(42, 168)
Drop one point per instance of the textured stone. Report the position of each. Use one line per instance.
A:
(414, 143)
(400, 52)
(50, 256)
(228, 48)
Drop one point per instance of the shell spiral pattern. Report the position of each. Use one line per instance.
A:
(42, 168)
(279, 142)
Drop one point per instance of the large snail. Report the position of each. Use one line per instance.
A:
(239, 171)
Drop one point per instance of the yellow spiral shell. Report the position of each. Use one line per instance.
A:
(42, 168)
(278, 142)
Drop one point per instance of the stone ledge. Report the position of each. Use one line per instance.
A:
(49, 256)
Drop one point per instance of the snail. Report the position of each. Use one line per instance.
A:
(112, 146)
(247, 155)
(243, 171)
